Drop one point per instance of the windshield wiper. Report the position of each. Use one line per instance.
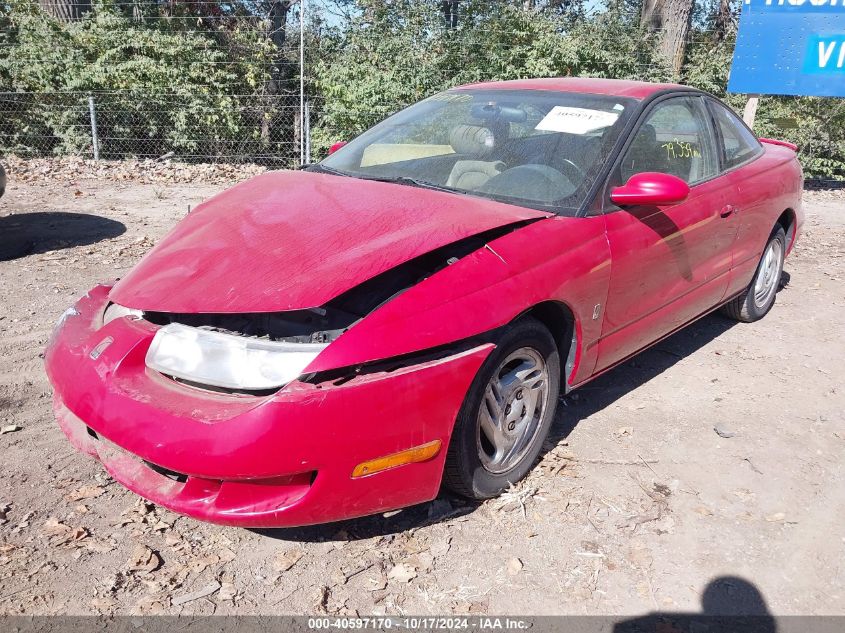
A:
(328, 170)
(398, 180)
(407, 180)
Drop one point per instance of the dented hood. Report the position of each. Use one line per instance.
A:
(291, 240)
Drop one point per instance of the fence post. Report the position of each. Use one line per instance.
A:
(302, 82)
(94, 140)
(750, 112)
(307, 132)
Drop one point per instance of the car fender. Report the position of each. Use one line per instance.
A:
(566, 260)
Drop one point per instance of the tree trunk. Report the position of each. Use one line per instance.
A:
(450, 13)
(671, 19)
(723, 20)
(66, 10)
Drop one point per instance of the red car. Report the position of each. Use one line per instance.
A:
(338, 341)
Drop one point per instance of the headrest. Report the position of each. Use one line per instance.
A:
(647, 134)
(472, 140)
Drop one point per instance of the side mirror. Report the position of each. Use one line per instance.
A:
(651, 188)
(336, 147)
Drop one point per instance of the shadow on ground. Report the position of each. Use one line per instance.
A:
(608, 388)
(580, 404)
(25, 233)
(728, 603)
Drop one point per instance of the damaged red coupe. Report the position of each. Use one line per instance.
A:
(341, 340)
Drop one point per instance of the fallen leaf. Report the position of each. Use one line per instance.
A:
(86, 492)
(227, 591)
(705, 512)
(777, 517)
(11, 428)
(103, 604)
(423, 561)
(723, 431)
(79, 533)
(639, 556)
(377, 583)
(101, 547)
(514, 566)
(283, 561)
(226, 555)
(143, 560)
(441, 546)
(402, 572)
(476, 608)
(149, 605)
(199, 564)
(54, 527)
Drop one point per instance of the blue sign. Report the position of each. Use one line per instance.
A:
(790, 47)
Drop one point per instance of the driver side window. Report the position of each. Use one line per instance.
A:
(673, 139)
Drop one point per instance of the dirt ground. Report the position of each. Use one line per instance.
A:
(639, 505)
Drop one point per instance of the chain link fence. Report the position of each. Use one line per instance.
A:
(237, 81)
(116, 125)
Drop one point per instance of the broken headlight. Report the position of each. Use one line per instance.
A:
(228, 360)
(115, 311)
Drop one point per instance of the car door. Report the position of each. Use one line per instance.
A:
(739, 148)
(669, 264)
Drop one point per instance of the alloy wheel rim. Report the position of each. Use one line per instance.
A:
(769, 274)
(512, 409)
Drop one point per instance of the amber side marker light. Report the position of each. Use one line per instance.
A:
(421, 453)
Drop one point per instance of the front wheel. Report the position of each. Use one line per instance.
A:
(507, 413)
(756, 300)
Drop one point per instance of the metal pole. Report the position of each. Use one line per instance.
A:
(307, 132)
(94, 140)
(302, 82)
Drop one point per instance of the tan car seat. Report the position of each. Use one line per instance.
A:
(478, 143)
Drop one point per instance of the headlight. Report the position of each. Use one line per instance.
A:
(115, 311)
(228, 360)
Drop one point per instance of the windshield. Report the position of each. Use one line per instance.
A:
(534, 148)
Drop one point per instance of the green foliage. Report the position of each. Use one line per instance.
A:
(396, 53)
(816, 125)
(175, 79)
(157, 89)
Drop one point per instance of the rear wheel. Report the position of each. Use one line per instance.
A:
(759, 297)
(506, 414)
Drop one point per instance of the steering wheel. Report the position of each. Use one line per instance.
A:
(532, 182)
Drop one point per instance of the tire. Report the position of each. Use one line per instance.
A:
(759, 297)
(521, 380)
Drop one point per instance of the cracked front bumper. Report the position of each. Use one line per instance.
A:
(253, 461)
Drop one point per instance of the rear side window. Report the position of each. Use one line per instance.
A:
(673, 139)
(738, 143)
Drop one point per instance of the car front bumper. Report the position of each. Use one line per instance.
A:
(253, 461)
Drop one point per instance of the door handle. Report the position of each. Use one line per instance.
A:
(728, 210)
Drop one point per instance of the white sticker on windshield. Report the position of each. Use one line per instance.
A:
(576, 120)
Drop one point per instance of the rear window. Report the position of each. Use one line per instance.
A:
(739, 144)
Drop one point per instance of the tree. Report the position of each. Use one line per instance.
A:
(66, 10)
(723, 20)
(450, 13)
(671, 19)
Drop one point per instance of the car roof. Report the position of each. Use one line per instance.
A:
(617, 87)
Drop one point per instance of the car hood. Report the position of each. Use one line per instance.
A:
(291, 240)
